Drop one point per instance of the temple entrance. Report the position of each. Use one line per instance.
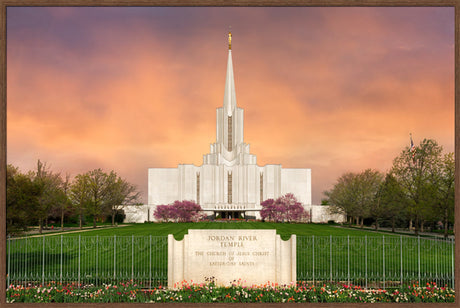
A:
(230, 214)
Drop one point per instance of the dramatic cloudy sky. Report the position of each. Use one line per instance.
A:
(331, 89)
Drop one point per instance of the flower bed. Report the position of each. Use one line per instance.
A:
(210, 293)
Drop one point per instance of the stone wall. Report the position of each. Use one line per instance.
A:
(320, 214)
(251, 257)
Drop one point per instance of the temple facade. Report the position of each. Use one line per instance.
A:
(229, 183)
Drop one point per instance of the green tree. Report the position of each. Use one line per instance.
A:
(66, 204)
(341, 196)
(98, 193)
(100, 187)
(121, 193)
(446, 191)
(355, 194)
(64, 207)
(418, 178)
(22, 196)
(80, 195)
(391, 201)
(52, 193)
(367, 184)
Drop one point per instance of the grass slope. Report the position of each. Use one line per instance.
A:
(139, 251)
(179, 229)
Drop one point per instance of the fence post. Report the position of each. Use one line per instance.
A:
(348, 258)
(132, 257)
(400, 241)
(9, 262)
(313, 258)
(383, 247)
(25, 261)
(60, 273)
(365, 239)
(419, 277)
(97, 257)
(150, 261)
(114, 255)
(79, 256)
(453, 272)
(330, 255)
(43, 259)
(436, 261)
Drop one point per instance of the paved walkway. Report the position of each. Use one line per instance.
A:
(58, 231)
(398, 231)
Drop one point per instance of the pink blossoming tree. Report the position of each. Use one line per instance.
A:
(284, 209)
(179, 211)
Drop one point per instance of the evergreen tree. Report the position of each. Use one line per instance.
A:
(391, 201)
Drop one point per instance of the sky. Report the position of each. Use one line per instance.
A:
(126, 89)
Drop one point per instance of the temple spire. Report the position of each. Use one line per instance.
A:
(229, 40)
(230, 95)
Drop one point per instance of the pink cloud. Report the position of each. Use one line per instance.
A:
(336, 100)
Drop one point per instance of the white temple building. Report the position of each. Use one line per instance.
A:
(229, 183)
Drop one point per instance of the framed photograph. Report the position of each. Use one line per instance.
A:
(230, 106)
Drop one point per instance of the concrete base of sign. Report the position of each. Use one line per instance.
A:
(246, 257)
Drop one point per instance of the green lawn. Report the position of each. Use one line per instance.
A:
(179, 229)
(139, 252)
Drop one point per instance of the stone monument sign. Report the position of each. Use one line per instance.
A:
(252, 257)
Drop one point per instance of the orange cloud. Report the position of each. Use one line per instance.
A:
(338, 91)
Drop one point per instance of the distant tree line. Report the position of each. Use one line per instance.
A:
(35, 197)
(417, 191)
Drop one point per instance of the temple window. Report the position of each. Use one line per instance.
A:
(229, 178)
(230, 133)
